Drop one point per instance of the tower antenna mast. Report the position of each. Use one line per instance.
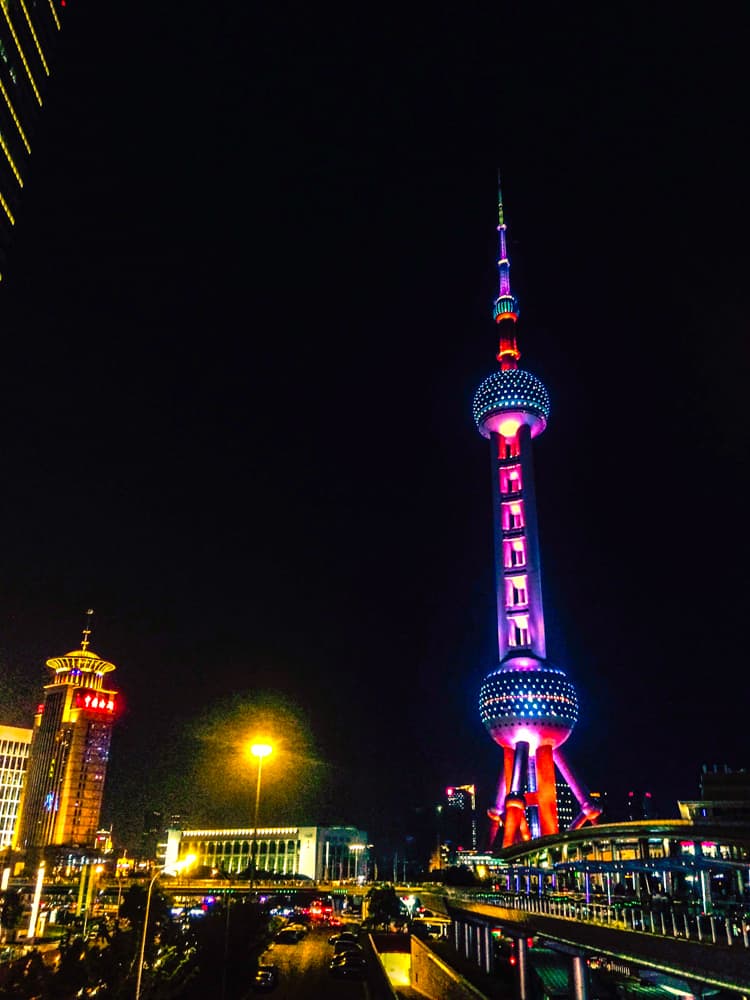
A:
(87, 629)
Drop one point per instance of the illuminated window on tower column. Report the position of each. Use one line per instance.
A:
(516, 592)
(513, 515)
(514, 553)
(507, 447)
(518, 630)
(510, 479)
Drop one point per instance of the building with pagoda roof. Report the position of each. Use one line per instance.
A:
(69, 753)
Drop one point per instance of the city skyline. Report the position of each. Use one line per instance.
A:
(237, 393)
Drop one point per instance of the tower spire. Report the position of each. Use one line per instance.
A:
(505, 310)
(87, 629)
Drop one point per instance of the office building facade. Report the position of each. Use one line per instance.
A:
(321, 853)
(14, 758)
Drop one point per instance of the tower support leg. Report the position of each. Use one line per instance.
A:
(546, 791)
(516, 827)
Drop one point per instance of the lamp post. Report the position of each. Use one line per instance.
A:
(171, 869)
(356, 849)
(259, 750)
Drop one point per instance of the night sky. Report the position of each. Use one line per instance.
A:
(246, 309)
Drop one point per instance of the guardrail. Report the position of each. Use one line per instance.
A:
(706, 928)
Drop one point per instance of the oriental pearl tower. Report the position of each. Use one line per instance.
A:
(527, 704)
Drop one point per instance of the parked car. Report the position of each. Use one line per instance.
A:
(343, 946)
(266, 978)
(349, 965)
(343, 936)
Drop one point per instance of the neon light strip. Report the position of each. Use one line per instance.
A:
(13, 167)
(20, 52)
(14, 116)
(8, 212)
(54, 14)
(33, 35)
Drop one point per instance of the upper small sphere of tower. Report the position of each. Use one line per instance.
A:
(513, 392)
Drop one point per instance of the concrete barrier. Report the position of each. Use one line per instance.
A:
(431, 976)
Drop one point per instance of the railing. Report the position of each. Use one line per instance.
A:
(707, 928)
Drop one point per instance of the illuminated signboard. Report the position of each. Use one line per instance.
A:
(98, 701)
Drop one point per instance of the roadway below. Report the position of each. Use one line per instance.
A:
(303, 971)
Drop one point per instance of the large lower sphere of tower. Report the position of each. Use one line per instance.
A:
(508, 398)
(530, 701)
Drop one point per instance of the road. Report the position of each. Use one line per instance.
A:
(303, 971)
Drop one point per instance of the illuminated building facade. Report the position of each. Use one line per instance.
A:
(69, 753)
(322, 853)
(461, 816)
(724, 797)
(528, 705)
(27, 33)
(14, 757)
(566, 805)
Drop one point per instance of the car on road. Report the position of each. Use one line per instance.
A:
(266, 979)
(343, 936)
(301, 929)
(344, 946)
(349, 965)
(287, 935)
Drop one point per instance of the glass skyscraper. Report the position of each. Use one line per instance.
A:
(27, 35)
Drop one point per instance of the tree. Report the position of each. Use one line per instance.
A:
(133, 906)
(383, 906)
(28, 979)
(11, 912)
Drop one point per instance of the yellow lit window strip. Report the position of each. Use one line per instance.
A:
(54, 14)
(33, 35)
(13, 167)
(8, 212)
(14, 116)
(20, 51)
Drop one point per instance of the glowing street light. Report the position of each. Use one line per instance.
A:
(35, 904)
(259, 750)
(172, 869)
(356, 849)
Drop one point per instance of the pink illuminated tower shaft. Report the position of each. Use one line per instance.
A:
(528, 706)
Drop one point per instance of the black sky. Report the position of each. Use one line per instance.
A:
(243, 319)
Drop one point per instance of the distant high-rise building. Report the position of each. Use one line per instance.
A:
(725, 797)
(27, 35)
(14, 757)
(638, 805)
(566, 804)
(69, 753)
(461, 816)
(156, 825)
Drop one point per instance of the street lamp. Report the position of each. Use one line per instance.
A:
(172, 869)
(356, 849)
(259, 750)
